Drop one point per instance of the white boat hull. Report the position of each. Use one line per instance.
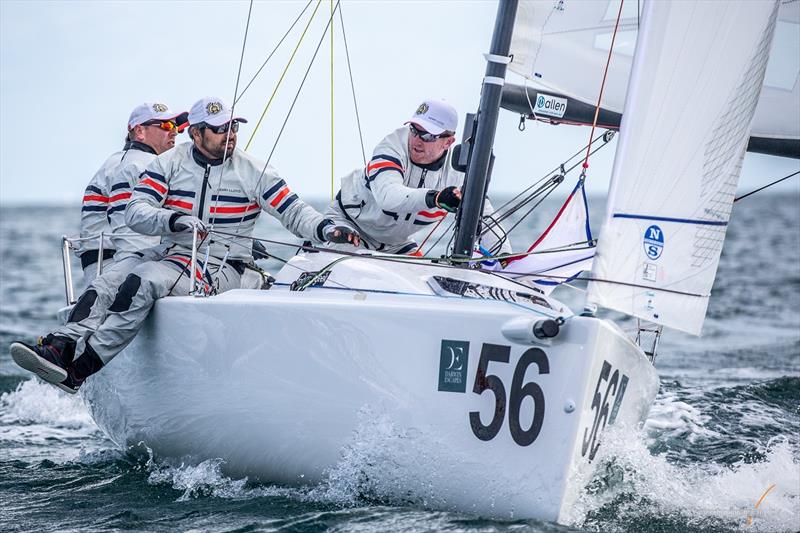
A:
(283, 384)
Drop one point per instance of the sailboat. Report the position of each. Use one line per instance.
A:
(477, 393)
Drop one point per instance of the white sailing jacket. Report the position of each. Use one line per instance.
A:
(94, 211)
(123, 179)
(227, 196)
(386, 200)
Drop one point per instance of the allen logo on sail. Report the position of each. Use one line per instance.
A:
(550, 105)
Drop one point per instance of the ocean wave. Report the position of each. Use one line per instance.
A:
(634, 486)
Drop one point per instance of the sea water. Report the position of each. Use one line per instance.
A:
(720, 450)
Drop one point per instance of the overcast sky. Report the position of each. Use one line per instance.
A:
(70, 72)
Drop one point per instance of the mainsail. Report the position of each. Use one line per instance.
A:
(561, 47)
(693, 91)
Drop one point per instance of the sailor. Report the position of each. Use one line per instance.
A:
(206, 184)
(97, 199)
(408, 184)
(152, 129)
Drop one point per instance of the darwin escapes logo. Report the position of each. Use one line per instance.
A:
(453, 363)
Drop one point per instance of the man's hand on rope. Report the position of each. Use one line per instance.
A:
(448, 199)
(190, 223)
(341, 235)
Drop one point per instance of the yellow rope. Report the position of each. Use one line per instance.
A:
(332, 25)
(274, 92)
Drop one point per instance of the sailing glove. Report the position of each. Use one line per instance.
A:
(183, 223)
(341, 235)
(448, 199)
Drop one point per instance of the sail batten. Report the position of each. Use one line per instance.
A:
(692, 94)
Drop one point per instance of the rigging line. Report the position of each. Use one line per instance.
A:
(551, 183)
(445, 232)
(283, 126)
(603, 84)
(291, 108)
(352, 86)
(404, 258)
(264, 64)
(283, 74)
(767, 185)
(228, 137)
(599, 280)
(284, 261)
(332, 128)
(419, 248)
(233, 106)
(533, 195)
(573, 156)
(410, 260)
(297, 95)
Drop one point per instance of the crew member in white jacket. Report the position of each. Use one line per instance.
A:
(100, 198)
(408, 184)
(206, 184)
(152, 131)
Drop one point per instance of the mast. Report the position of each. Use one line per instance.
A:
(488, 111)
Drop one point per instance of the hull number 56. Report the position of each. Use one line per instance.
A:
(497, 353)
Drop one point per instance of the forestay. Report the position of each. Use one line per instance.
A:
(561, 46)
(693, 90)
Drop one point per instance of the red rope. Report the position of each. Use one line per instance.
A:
(603, 85)
(418, 251)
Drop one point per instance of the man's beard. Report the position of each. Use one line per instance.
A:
(218, 151)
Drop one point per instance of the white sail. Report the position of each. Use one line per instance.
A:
(694, 86)
(562, 46)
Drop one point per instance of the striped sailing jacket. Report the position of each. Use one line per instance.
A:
(94, 212)
(227, 196)
(123, 179)
(386, 200)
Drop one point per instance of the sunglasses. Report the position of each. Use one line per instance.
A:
(166, 125)
(425, 136)
(233, 125)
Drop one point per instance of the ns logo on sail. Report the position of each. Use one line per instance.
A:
(653, 242)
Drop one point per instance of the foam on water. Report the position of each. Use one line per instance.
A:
(40, 422)
(35, 402)
(672, 418)
(634, 483)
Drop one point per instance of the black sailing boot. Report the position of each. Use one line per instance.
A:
(48, 359)
(84, 366)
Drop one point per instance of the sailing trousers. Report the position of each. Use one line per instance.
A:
(91, 307)
(144, 285)
(90, 271)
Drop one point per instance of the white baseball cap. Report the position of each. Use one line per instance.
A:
(435, 116)
(211, 110)
(154, 111)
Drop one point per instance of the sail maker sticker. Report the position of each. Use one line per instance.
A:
(653, 242)
(549, 105)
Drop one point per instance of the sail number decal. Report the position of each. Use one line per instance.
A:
(610, 386)
(500, 354)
